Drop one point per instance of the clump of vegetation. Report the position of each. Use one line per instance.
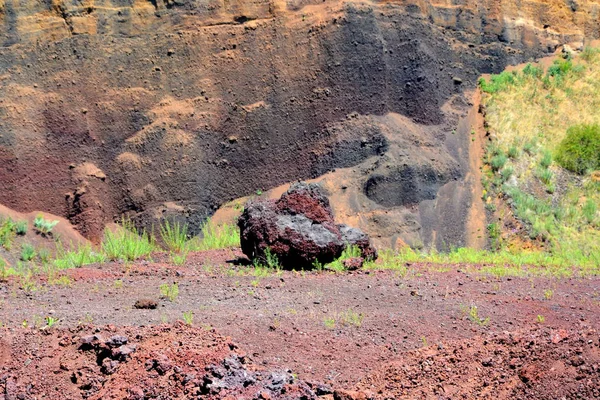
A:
(127, 243)
(21, 228)
(579, 151)
(188, 317)
(169, 292)
(27, 252)
(44, 226)
(216, 237)
(270, 261)
(76, 258)
(174, 235)
(351, 317)
(7, 232)
(473, 315)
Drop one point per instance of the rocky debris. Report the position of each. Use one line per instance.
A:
(299, 229)
(160, 363)
(145, 304)
(233, 377)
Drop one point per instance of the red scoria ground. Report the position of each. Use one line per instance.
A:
(366, 334)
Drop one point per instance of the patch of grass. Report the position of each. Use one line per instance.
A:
(7, 232)
(268, 262)
(541, 319)
(473, 315)
(174, 236)
(50, 322)
(179, 258)
(498, 161)
(545, 175)
(188, 317)
(5, 270)
(548, 294)
(21, 228)
(127, 243)
(351, 317)
(329, 322)
(590, 210)
(169, 292)
(546, 159)
(44, 226)
(216, 237)
(513, 152)
(76, 258)
(27, 252)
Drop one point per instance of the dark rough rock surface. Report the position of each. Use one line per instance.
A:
(299, 229)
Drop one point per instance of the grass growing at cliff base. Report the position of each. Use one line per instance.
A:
(216, 237)
(567, 263)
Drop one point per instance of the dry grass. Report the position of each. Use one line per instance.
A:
(530, 111)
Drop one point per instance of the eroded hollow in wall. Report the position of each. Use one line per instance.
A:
(408, 185)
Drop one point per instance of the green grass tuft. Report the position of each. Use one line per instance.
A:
(127, 243)
(174, 236)
(216, 237)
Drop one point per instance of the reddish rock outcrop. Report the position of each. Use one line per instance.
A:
(299, 229)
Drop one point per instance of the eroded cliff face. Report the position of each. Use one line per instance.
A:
(153, 108)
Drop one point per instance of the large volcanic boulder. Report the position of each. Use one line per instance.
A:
(299, 229)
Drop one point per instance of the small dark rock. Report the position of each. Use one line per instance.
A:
(117, 340)
(147, 304)
(354, 263)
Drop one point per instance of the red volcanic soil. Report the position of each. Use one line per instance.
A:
(367, 334)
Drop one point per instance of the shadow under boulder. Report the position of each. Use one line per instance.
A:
(299, 229)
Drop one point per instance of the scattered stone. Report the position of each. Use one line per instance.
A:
(109, 366)
(354, 263)
(349, 395)
(145, 304)
(116, 341)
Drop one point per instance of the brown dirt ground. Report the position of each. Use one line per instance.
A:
(414, 339)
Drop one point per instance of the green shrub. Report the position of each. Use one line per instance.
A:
(513, 152)
(497, 162)
(530, 147)
(174, 235)
(498, 82)
(127, 243)
(27, 252)
(21, 228)
(579, 151)
(43, 225)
